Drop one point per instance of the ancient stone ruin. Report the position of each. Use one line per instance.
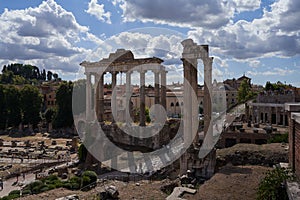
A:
(201, 164)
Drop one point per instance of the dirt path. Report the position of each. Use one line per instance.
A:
(231, 183)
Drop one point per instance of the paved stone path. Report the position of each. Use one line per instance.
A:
(8, 184)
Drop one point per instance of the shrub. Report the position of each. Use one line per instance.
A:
(85, 181)
(280, 138)
(14, 192)
(73, 183)
(91, 174)
(272, 186)
(44, 189)
(26, 192)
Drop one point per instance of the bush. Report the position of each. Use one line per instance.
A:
(280, 138)
(34, 187)
(85, 181)
(272, 186)
(73, 183)
(91, 174)
(14, 192)
(26, 192)
(44, 189)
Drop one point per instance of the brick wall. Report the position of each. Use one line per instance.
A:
(294, 143)
(297, 149)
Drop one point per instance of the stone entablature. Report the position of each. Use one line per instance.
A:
(122, 61)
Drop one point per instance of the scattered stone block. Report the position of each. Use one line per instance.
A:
(178, 191)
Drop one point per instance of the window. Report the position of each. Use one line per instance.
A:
(177, 104)
(172, 104)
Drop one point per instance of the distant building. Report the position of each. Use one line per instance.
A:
(49, 95)
(269, 107)
(235, 83)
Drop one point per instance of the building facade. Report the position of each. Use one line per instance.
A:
(269, 107)
(294, 136)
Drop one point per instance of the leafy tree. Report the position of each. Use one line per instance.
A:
(7, 77)
(244, 92)
(64, 116)
(13, 106)
(43, 75)
(49, 115)
(31, 102)
(269, 86)
(272, 186)
(49, 75)
(147, 113)
(55, 76)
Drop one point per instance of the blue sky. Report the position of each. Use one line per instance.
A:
(260, 38)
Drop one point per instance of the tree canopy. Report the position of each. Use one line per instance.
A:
(244, 92)
(64, 115)
(24, 74)
(31, 102)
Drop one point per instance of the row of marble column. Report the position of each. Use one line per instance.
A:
(159, 95)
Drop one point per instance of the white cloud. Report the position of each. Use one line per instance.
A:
(46, 35)
(165, 46)
(276, 33)
(272, 72)
(98, 11)
(204, 13)
(211, 14)
(246, 5)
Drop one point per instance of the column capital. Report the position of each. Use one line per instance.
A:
(142, 71)
(129, 72)
(114, 72)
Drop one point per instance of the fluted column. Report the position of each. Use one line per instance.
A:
(156, 87)
(114, 96)
(101, 98)
(207, 98)
(128, 95)
(187, 110)
(142, 99)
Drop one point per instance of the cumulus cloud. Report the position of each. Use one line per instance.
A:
(246, 5)
(98, 11)
(274, 72)
(210, 14)
(165, 46)
(270, 35)
(46, 35)
(204, 13)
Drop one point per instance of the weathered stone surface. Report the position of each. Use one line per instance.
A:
(112, 191)
(169, 186)
(70, 197)
(178, 191)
